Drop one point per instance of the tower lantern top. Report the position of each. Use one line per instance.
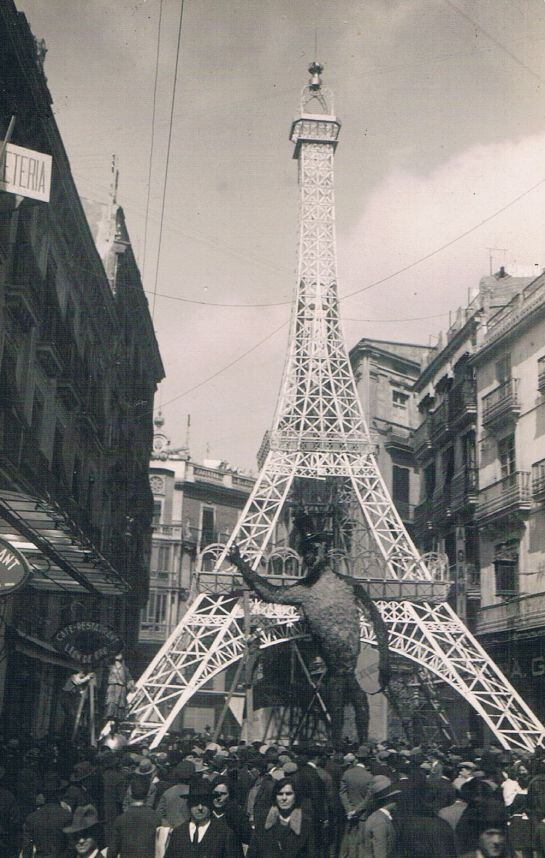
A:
(315, 70)
(316, 99)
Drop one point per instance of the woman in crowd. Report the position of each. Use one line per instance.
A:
(287, 830)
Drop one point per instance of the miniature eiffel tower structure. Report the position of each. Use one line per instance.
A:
(319, 431)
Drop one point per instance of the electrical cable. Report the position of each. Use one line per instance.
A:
(443, 246)
(494, 40)
(152, 141)
(224, 368)
(167, 162)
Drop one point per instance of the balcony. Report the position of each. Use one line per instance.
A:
(405, 510)
(502, 404)
(462, 403)
(464, 489)
(422, 445)
(423, 517)
(521, 613)
(24, 289)
(47, 348)
(440, 423)
(538, 480)
(441, 506)
(472, 579)
(398, 438)
(541, 374)
(506, 498)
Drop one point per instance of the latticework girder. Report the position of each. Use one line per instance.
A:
(319, 430)
(211, 638)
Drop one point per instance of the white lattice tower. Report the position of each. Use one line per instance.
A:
(319, 431)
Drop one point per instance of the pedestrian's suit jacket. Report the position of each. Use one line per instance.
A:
(218, 842)
(379, 837)
(354, 787)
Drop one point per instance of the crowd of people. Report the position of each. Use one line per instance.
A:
(197, 798)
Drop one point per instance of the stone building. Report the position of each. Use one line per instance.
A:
(79, 365)
(462, 494)
(385, 374)
(195, 506)
(509, 369)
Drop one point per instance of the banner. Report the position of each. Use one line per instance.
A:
(87, 642)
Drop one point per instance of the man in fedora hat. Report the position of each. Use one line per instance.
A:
(355, 784)
(379, 837)
(203, 835)
(85, 832)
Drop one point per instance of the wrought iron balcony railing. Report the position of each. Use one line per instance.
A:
(440, 422)
(508, 495)
(422, 440)
(462, 402)
(501, 403)
(538, 480)
(541, 374)
(464, 488)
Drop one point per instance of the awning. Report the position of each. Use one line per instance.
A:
(35, 648)
(60, 554)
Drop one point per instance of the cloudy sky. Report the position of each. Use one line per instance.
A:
(442, 155)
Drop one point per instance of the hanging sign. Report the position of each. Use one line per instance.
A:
(26, 172)
(87, 642)
(14, 569)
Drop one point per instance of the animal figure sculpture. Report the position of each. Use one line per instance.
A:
(330, 604)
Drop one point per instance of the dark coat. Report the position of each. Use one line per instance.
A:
(237, 820)
(313, 795)
(269, 841)
(425, 837)
(133, 833)
(218, 842)
(44, 828)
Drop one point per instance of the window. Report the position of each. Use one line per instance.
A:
(208, 526)
(76, 480)
(506, 565)
(57, 464)
(468, 450)
(37, 415)
(506, 455)
(429, 481)
(399, 399)
(400, 489)
(447, 461)
(503, 369)
(157, 510)
(155, 611)
(163, 558)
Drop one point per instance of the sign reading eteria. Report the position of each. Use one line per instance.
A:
(26, 172)
(87, 642)
(14, 568)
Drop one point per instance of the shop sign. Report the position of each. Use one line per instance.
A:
(26, 173)
(87, 642)
(14, 568)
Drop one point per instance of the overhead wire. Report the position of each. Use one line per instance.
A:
(390, 276)
(224, 368)
(152, 141)
(167, 160)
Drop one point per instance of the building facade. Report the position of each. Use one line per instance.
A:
(509, 372)
(385, 374)
(79, 366)
(195, 506)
